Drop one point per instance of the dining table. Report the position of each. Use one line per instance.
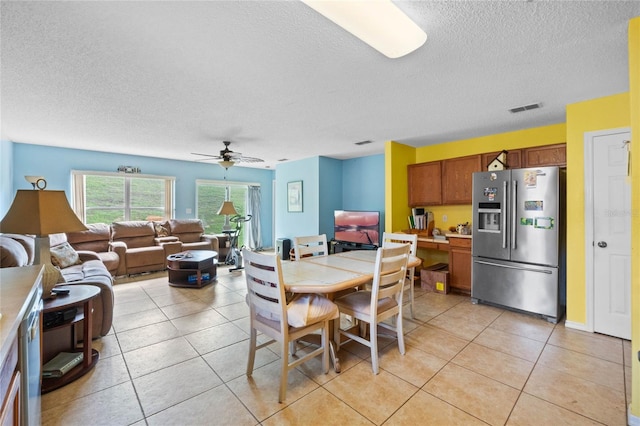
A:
(331, 274)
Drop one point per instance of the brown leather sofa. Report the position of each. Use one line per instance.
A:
(18, 250)
(97, 239)
(143, 246)
(142, 252)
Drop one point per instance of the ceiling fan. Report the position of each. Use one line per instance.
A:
(228, 158)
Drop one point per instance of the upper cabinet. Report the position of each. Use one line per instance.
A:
(450, 181)
(424, 181)
(549, 155)
(457, 178)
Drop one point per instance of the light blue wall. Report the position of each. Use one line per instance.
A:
(328, 185)
(363, 185)
(56, 164)
(289, 225)
(6, 181)
(330, 193)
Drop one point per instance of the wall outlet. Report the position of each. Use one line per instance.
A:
(188, 211)
(444, 218)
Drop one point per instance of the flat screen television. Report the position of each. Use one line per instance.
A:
(357, 226)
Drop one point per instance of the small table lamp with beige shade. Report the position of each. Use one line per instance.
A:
(40, 213)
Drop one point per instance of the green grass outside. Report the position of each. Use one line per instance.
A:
(105, 201)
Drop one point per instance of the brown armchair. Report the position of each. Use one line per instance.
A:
(191, 234)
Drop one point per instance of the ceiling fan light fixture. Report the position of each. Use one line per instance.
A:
(379, 23)
(226, 164)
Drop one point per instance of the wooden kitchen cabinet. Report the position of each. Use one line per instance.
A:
(10, 388)
(514, 159)
(460, 265)
(457, 178)
(424, 182)
(549, 155)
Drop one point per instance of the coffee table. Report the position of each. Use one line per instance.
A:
(194, 268)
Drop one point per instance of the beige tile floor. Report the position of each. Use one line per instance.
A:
(178, 356)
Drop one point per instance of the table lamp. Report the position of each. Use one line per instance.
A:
(227, 209)
(40, 213)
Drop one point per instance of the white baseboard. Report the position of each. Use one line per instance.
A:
(633, 420)
(577, 326)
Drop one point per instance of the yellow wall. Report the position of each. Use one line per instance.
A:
(597, 114)
(634, 90)
(397, 157)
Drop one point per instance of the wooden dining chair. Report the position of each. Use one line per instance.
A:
(313, 245)
(412, 239)
(281, 322)
(382, 302)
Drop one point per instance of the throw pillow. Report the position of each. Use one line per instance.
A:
(161, 231)
(64, 255)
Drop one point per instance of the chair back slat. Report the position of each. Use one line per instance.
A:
(390, 272)
(265, 286)
(312, 245)
(391, 237)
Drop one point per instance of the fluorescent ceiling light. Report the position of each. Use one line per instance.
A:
(379, 23)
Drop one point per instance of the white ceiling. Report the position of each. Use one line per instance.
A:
(168, 78)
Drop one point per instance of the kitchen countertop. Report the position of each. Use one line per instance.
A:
(17, 287)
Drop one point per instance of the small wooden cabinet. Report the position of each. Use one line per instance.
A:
(424, 182)
(457, 179)
(460, 264)
(549, 155)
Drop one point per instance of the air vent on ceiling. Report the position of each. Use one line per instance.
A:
(363, 142)
(525, 108)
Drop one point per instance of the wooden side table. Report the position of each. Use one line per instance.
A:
(81, 297)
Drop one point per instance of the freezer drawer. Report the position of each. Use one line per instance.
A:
(519, 286)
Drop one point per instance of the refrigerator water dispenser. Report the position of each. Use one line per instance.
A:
(489, 217)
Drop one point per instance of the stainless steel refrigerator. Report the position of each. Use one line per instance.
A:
(518, 240)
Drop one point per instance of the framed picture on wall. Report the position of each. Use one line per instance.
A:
(294, 196)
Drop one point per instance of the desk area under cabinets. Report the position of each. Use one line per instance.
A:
(458, 248)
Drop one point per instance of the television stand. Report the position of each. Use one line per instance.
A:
(340, 246)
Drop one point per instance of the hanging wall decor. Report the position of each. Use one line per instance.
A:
(294, 196)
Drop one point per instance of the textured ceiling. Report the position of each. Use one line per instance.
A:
(169, 78)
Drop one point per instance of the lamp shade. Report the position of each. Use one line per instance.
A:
(227, 209)
(226, 163)
(40, 213)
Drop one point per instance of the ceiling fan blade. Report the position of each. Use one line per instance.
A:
(205, 155)
(205, 160)
(250, 160)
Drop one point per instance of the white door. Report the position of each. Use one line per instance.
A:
(611, 235)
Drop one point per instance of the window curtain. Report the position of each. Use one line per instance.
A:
(253, 226)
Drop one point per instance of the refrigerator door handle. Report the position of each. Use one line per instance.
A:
(514, 216)
(504, 216)
(542, 271)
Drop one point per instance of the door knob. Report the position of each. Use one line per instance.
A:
(602, 244)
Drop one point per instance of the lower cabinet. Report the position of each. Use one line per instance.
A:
(10, 388)
(460, 265)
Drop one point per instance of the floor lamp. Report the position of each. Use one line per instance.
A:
(40, 213)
